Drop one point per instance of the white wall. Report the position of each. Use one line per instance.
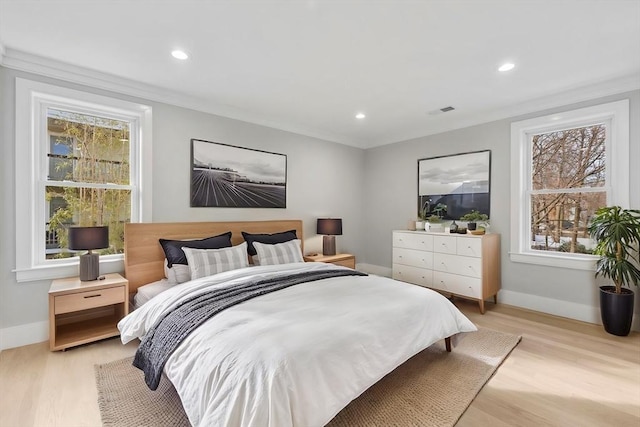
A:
(323, 179)
(391, 191)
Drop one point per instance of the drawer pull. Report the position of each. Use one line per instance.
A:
(93, 296)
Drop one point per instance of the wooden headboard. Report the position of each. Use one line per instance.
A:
(143, 255)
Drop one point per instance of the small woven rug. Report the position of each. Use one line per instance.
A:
(433, 388)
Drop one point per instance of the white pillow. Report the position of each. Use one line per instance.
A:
(280, 253)
(178, 273)
(206, 262)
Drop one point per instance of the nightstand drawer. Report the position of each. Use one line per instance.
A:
(89, 299)
(351, 263)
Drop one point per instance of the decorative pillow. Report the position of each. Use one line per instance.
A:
(175, 255)
(270, 239)
(206, 262)
(280, 253)
(178, 273)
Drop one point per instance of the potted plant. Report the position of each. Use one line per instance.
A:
(616, 232)
(472, 218)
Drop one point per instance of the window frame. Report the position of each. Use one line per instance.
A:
(615, 116)
(33, 99)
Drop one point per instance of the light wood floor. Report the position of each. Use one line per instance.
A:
(563, 373)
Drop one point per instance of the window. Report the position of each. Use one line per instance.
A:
(564, 167)
(78, 163)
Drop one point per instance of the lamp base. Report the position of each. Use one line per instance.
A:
(89, 267)
(328, 245)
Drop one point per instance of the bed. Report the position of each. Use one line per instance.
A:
(292, 357)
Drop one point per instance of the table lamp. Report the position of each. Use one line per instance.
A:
(330, 228)
(89, 238)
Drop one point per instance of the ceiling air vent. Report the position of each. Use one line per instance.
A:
(441, 110)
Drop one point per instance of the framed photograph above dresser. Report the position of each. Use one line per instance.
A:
(451, 186)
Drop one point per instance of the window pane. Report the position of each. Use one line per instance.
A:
(572, 158)
(70, 206)
(85, 148)
(559, 222)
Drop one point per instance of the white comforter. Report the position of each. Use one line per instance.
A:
(297, 356)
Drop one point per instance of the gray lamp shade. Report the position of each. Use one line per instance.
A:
(329, 226)
(88, 238)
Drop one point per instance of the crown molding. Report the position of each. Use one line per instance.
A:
(22, 61)
(597, 90)
(47, 67)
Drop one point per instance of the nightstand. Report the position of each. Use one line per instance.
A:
(346, 260)
(83, 312)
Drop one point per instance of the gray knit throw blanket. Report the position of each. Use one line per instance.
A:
(170, 330)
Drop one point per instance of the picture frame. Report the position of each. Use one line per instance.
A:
(453, 185)
(229, 176)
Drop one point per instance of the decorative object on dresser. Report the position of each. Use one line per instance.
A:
(329, 228)
(472, 218)
(464, 265)
(225, 175)
(459, 182)
(88, 239)
(346, 260)
(81, 312)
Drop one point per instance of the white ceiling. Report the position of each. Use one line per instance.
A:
(309, 66)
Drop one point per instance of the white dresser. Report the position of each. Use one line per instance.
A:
(459, 264)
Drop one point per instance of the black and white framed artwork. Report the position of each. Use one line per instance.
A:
(451, 186)
(228, 176)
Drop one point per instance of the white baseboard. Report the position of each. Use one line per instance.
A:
(17, 336)
(556, 307)
(571, 310)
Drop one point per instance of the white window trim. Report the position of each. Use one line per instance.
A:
(31, 98)
(616, 116)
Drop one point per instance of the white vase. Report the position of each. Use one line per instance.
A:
(419, 225)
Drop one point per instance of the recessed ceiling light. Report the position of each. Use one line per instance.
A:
(506, 67)
(179, 54)
(360, 116)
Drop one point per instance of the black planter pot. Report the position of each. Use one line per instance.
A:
(472, 225)
(616, 310)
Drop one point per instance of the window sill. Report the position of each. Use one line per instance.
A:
(113, 264)
(586, 262)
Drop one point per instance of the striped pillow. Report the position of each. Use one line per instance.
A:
(206, 262)
(280, 253)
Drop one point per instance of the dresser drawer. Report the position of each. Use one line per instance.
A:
(470, 246)
(415, 275)
(417, 241)
(89, 299)
(460, 285)
(413, 257)
(455, 264)
(444, 244)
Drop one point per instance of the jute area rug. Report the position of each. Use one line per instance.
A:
(433, 388)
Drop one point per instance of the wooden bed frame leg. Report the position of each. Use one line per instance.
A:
(447, 343)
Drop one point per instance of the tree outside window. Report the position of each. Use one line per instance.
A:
(568, 184)
(88, 180)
